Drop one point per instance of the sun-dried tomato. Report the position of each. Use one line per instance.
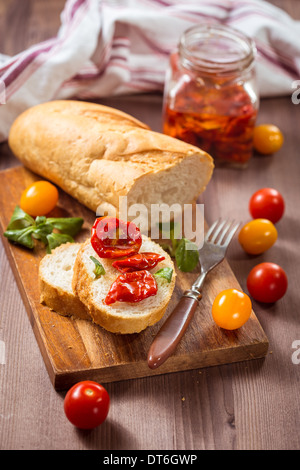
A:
(114, 238)
(131, 287)
(138, 262)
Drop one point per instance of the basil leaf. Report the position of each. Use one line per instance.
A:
(99, 269)
(21, 236)
(57, 239)
(165, 273)
(41, 232)
(68, 225)
(40, 219)
(19, 220)
(170, 230)
(175, 232)
(22, 229)
(166, 228)
(186, 255)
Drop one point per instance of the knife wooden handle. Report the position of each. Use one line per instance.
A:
(171, 332)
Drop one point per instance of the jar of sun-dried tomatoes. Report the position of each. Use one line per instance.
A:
(211, 98)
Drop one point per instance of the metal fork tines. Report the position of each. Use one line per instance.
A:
(216, 242)
(221, 229)
(211, 254)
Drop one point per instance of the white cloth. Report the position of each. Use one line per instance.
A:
(111, 47)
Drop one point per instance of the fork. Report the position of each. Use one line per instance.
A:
(211, 254)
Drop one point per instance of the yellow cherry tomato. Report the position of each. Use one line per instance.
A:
(267, 139)
(257, 236)
(231, 309)
(39, 198)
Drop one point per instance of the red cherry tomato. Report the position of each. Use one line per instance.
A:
(267, 203)
(86, 404)
(231, 309)
(267, 282)
(113, 238)
(39, 198)
(132, 287)
(138, 262)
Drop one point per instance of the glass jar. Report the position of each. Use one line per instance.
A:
(210, 97)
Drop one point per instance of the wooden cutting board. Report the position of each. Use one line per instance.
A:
(76, 350)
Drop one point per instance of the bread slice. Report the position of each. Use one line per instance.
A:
(55, 279)
(99, 154)
(120, 317)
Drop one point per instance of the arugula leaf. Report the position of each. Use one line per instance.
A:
(57, 239)
(69, 225)
(99, 269)
(186, 255)
(165, 273)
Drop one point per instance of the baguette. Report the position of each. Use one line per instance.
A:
(121, 317)
(55, 281)
(97, 154)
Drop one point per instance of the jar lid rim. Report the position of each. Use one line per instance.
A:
(213, 31)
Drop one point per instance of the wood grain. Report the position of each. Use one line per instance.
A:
(76, 349)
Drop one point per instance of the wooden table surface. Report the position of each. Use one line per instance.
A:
(248, 405)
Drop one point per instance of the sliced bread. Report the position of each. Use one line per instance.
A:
(120, 317)
(55, 279)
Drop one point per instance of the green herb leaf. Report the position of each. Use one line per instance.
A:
(20, 220)
(99, 269)
(23, 229)
(171, 230)
(186, 255)
(40, 219)
(165, 273)
(41, 231)
(21, 236)
(57, 239)
(68, 225)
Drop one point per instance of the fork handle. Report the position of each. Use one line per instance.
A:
(173, 329)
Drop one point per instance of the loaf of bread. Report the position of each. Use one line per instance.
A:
(121, 317)
(97, 154)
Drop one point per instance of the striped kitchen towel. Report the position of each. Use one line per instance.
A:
(110, 47)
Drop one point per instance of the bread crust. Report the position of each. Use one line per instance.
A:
(96, 153)
(56, 298)
(78, 300)
(62, 302)
(104, 315)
